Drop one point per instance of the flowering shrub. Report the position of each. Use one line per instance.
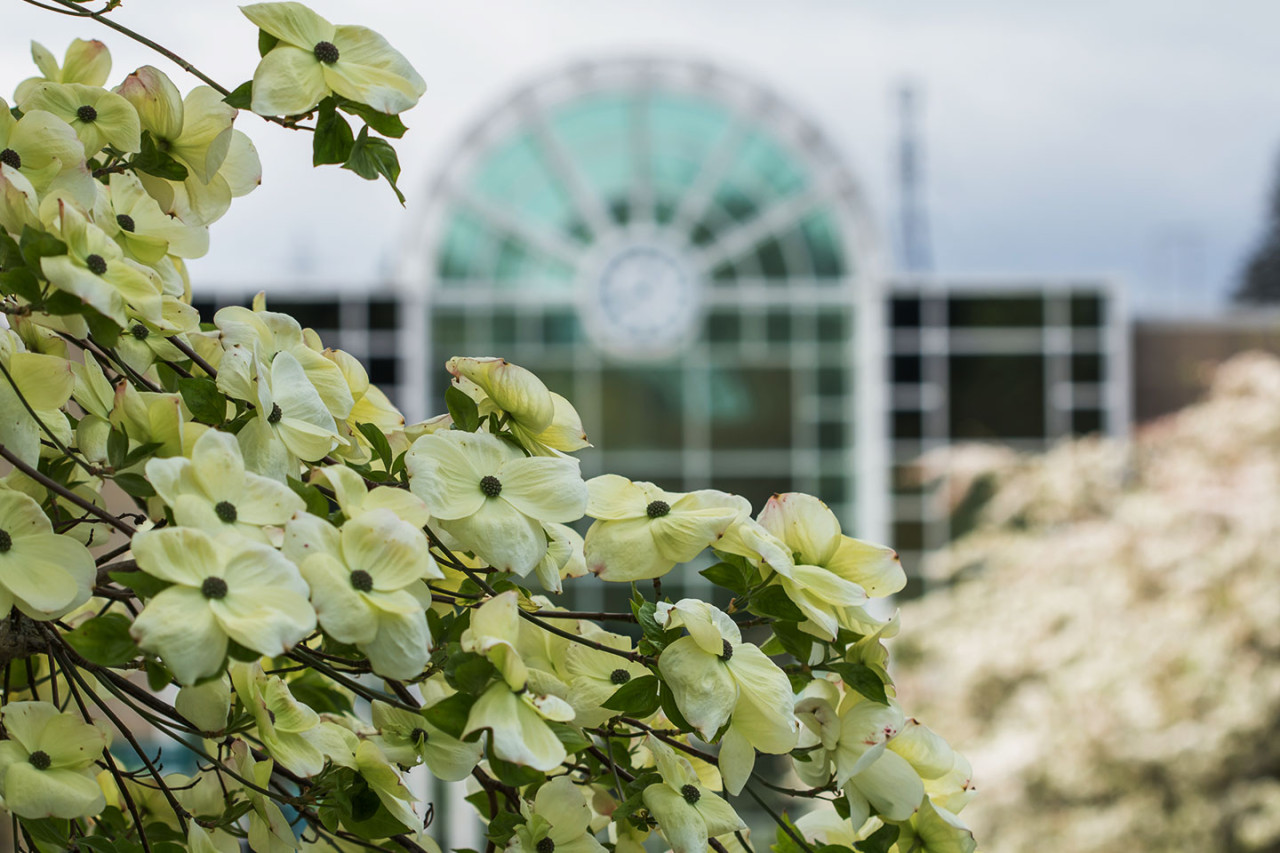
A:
(1120, 663)
(321, 596)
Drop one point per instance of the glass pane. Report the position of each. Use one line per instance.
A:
(724, 327)
(1086, 310)
(966, 311)
(908, 369)
(1085, 421)
(904, 312)
(750, 407)
(516, 177)
(824, 246)
(1086, 367)
(997, 396)
(596, 133)
(642, 408)
(832, 326)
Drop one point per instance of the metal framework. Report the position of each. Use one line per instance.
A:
(1020, 362)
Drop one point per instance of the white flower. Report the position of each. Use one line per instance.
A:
(715, 676)
(314, 58)
(643, 531)
(46, 762)
(224, 588)
(491, 497)
(687, 813)
(366, 585)
(42, 573)
(213, 491)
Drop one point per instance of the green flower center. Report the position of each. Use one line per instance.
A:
(419, 736)
(728, 651)
(619, 676)
(6, 541)
(10, 158)
(362, 580)
(657, 509)
(276, 414)
(691, 794)
(87, 114)
(96, 264)
(40, 760)
(213, 588)
(126, 223)
(226, 511)
(546, 845)
(491, 486)
(326, 52)
(140, 331)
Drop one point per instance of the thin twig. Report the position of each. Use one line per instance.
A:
(123, 526)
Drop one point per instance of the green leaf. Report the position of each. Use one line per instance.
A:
(158, 675)
(470, 674)
(134, 485)
(10, 252)
(637, 698)
(463, 410)
(333, 140)
(571, 736)
(60, 302)
(117, 447)
(381, 446)
(794, 642)
(772, 601)
(20, 282)
(317, 503)
(319, 694)
(387, 125)
(729, 576)
(266, 42)
(140, 582)
(515, 775)
(879, 841)
(861, 678)
(671, 709)
(450, 715)
(49, 830)
(153, 161)
(36, 244)
(102, 328)
(370, 158)
(141, 452)
(240, 653)
(208, 405)
(241, 96)
(502, 826)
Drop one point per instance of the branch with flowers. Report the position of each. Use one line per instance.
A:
(221, 546)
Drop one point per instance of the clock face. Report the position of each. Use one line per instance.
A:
(644, 303)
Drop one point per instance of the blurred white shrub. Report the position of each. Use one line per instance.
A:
(1111, 631)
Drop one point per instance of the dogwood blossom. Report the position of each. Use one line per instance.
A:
(366, 585)
(314, 57)
(641, 531)
(491, 497)
(213, 491)
(47, 761)
(687, 812)
(223, 589)
(42, 573)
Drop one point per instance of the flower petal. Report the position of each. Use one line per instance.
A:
(179, 626)
(545, 488)
(288, 81)
(704, 690)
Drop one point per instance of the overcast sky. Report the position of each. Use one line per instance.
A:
(1128, 137)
